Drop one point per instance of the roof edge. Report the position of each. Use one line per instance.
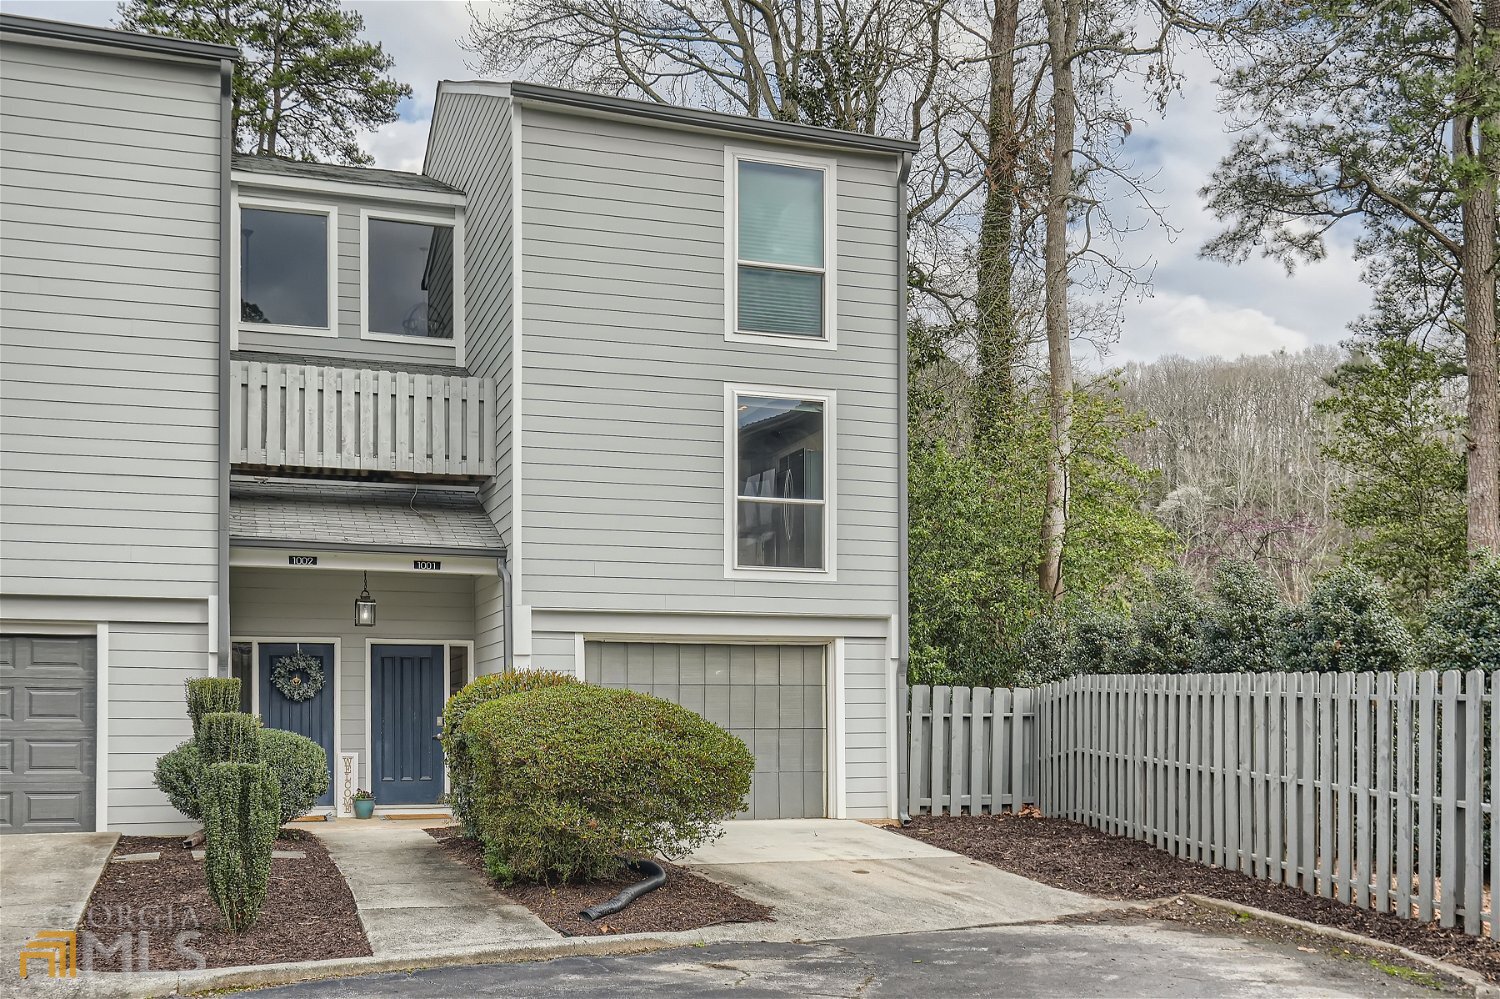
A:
(40, 27)
(718, 121)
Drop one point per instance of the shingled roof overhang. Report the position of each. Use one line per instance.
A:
(338, 516)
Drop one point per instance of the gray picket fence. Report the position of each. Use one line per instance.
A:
(970, 749)
(1372, 789)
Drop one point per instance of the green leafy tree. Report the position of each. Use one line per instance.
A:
(1246, 620)
(307, 84)
(1397, 433)
(1387, 114)
(1463, 628)
(1348, 625)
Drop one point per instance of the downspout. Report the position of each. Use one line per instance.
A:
(903, 640)
(507, 603)
(226, 307)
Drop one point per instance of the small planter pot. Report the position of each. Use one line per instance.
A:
(364, 808)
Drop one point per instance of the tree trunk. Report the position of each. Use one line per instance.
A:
(998, 345)
(1478, 263)
(1062, 38)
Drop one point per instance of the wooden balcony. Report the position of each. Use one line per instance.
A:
(319, 417)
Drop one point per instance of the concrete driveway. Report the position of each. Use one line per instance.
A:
(828, 879)
(45, 882)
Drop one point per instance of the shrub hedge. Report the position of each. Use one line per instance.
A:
(481, 690)
(569, 779)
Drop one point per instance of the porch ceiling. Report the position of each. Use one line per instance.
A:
(355, 515)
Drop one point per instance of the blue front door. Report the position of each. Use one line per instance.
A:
(406, 698)
(312, 717)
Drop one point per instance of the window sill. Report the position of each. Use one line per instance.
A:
(403, 338)
(318, 331)
(786, 574)
(782, 340)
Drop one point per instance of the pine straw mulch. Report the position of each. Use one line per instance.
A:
(685, 902)
(309, 913)
(1072, 856)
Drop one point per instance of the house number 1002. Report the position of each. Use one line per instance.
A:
(302, 560)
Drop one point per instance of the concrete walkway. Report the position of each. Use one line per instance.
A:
(828, 879)
(414, 899)
(45, 883)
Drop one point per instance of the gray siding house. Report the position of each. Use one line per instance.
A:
(610, 388)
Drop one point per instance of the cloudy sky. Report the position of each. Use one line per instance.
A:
(1196, 307)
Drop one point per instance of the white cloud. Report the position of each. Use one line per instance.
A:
(1193, 326)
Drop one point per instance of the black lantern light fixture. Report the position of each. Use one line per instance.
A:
(364, 607)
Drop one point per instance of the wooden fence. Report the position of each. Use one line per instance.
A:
(1372, 789)
(327, 417)
(970, 749)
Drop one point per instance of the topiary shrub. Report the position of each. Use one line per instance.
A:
(299, 765)
(240, 809)
(1347, 625)
(229, 737)
(570, 779)
(481, 690)
(209, 695)
(1463, 627)
(1169, 628)
(1246, 620)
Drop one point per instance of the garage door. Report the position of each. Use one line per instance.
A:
(47, 716)
(771, 696)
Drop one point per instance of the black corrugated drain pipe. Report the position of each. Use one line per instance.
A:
(655, 878)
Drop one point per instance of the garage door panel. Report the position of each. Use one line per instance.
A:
(770, 696)
(48, 694)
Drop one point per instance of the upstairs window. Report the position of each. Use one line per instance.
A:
(780, 478)
(409, 279)
(286, 260)
(781, 274)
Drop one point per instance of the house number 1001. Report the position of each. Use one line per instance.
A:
(427, 565)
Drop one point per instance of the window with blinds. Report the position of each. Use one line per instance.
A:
(781, 270)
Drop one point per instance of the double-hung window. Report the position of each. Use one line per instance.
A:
(781, 252)
(287, 268)
(780, 445)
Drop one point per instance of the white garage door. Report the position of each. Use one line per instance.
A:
(771, 696)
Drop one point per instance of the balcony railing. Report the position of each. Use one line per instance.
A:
(310, 416)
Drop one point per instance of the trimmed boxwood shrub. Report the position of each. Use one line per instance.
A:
(569, 780)
(209, 695)
(239, 820)
(299, 765)
(481, 690)
(229, 737)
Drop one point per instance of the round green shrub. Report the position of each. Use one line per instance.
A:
(1100, 640)
(1347, 625)
(1169, 627)
(569, 780)
(1463, 627)
(1044, 646)
(299, 765)
(482, 690)
(1246, 618)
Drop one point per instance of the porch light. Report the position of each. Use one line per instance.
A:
(364, 607)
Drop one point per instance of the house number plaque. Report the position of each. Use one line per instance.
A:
(302, 560)
(427, 565)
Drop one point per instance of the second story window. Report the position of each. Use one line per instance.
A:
(286, 267)
(780, 500)
(409, 279)
(781, 268)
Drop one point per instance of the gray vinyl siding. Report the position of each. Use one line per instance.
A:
(470, 148)
(319, 604)
(109, 198)
(625, 364)
(348, 344)
(867, 792)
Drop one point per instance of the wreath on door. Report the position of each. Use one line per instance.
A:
(299, 677)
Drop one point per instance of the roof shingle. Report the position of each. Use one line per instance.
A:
(380, 517)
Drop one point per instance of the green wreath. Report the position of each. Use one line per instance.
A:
(299, 677)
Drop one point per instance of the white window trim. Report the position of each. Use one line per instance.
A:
(235, 264)
(732, 333)
(457, 225)
(829, 399)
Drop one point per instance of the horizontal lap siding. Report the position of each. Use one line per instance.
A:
(626, 362)
(292, 604)
(348, 344)
(109, 198)
(470, 148)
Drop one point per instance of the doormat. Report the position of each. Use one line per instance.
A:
(417, 816)
(311, 818)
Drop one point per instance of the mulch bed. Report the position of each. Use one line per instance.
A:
(309, 913)
(685, 902)
(1072, 856)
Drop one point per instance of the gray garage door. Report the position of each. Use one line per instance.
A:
(47, 715)
(769, 695)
